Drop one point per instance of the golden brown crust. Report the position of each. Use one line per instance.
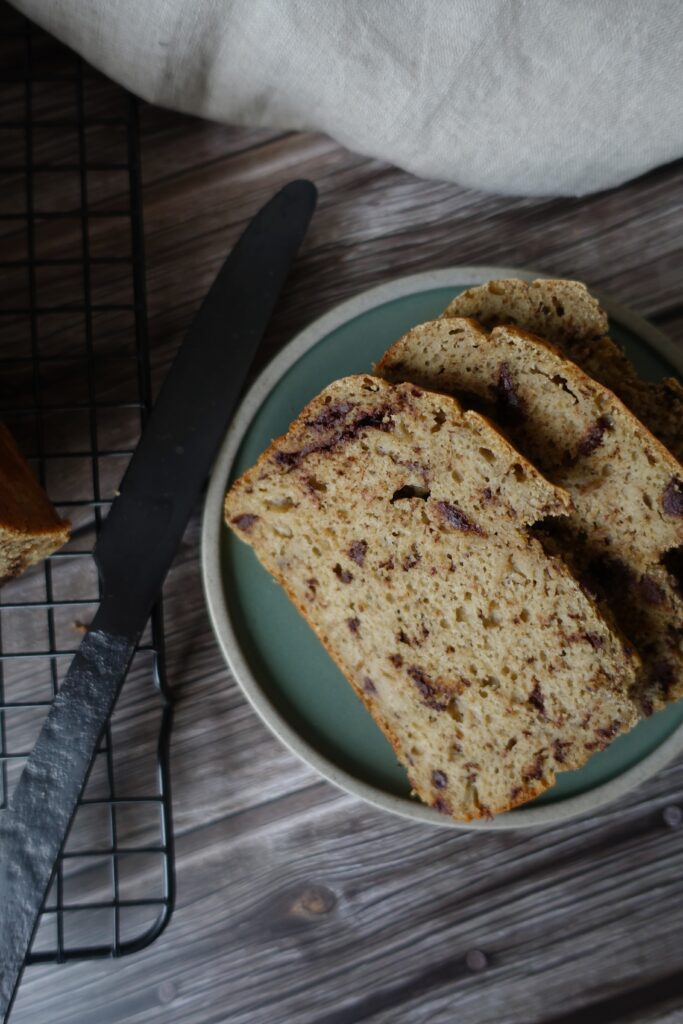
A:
(30, 528)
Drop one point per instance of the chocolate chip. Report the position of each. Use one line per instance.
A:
(244, 522)
(536, 700)
(354, 625)
(535, 770)
(414, 466)
(651, 590)
(403, 638)
(559, 750)
(509, 408)
(609, 732)
(672, 499)
(456, 518)
(442, 806)
(368, 685)
(593, 437)
(388, 565)
(343, 574)
(427, 689)
(515, 792)
(396, 660)
(596, 641)
(330, 416)
(376, 419)
(358, 550)
(288, 459)
(439, 779)
(412, 558)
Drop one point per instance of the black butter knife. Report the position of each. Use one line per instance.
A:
(134, 551)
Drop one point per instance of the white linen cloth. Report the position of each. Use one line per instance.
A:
(529, 97)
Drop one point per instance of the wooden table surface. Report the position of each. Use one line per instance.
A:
(297, 903)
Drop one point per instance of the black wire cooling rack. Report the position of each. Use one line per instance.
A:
(75, 391)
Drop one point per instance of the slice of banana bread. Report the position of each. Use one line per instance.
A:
(565, 313)
(627, 489)
(397, 524)
(557, 310)
(30, 529)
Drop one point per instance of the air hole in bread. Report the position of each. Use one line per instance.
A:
(454, 711)
(409, 491)
(279, 505)
(439, 420)
(282, 529)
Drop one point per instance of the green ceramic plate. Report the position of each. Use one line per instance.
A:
(280, 664)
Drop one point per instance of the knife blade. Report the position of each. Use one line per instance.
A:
(134, 551)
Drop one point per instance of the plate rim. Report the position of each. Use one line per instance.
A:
(219, 616)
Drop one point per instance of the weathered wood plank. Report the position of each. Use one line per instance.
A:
(393, 224)
(320, 909)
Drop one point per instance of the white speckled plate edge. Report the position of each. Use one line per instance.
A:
(525, 817)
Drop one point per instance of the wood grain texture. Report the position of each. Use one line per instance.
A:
(296, 903)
